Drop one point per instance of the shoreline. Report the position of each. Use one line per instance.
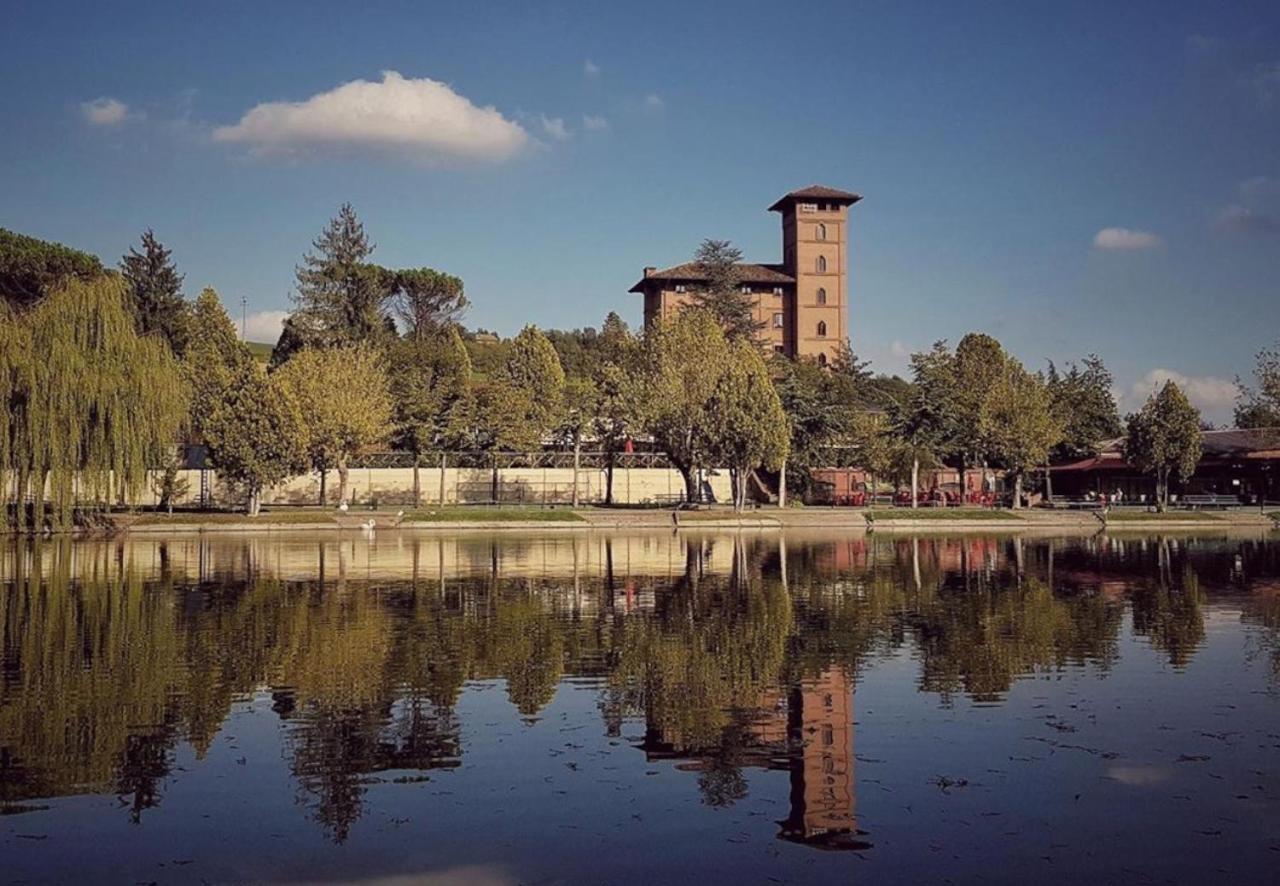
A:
(777, 520)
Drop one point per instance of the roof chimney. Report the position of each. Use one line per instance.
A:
(648, 272)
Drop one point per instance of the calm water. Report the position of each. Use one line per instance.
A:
(640, 709)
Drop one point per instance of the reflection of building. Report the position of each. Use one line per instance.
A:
(809, 732)
(820, 721)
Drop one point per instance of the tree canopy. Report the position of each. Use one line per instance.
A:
(1164, 439)
(720, 293)
(30, 268)
(1083, 403)
(1258, 405)
(156, 288)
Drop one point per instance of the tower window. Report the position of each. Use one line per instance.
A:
(822, 359)
(822, 231)
(777, 321)
(822, 329)
(822, 295)
(808, 207)
(822, 264)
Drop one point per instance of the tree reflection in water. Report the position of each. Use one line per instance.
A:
(733, 652)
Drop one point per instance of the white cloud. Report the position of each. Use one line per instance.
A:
(1242, 218)
(590, 69)
(1212, 395)
(594, 123)
(554, 127)
(105, 111)
(654, 102)
(423, 117)
(1125, 239)
(264, 326)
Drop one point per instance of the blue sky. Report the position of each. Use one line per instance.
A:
(1072, 178)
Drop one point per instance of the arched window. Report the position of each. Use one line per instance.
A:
(822, 264)
(822, 329)
(822, 295)
(822, 359)
(822, 231)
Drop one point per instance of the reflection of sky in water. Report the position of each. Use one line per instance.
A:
(641, 709)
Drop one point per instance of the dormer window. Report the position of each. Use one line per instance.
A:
(777, 290)
(680, 287)
(746, 289)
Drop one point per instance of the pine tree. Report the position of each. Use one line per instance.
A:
(341, 299)
(156, 287)
(720, 292)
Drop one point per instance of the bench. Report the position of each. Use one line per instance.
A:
(1196, 502)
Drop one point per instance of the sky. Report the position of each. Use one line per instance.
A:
(1071, 178)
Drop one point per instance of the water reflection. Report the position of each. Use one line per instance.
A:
(720, 654)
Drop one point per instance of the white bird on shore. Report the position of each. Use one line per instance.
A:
(342, 506)
(368, 524)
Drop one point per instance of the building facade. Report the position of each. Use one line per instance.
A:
(801, 302)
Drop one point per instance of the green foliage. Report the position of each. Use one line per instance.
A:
(1017, 423)
(1084, 405)
(87, 402)
(745, 426)
(214, 357)
(344, 397)
(430, 377)
(1163, 439)
(30, 268)
(720, 294)
(427, 301)
(1258, 405)
(254, 432)
(341, 299)
(533, 367)
(823, 407)
(156, 287)
(502, 418)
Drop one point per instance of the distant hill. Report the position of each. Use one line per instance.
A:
(260, 350)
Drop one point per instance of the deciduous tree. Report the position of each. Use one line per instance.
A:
(254, 433)
(214, 357)
(344, 398)
(1083, 403)
(1258, 405)
(1017, 423)
(533, 367)
(746, 427)
(1164, 439)
(430, 382)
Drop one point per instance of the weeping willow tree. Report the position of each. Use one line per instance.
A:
(89, 405)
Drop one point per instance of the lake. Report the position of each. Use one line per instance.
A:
(640, 708)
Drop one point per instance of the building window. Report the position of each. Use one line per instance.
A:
(779, 349)
(808, 207)
(777, 321)
(822, 329)
(822, 264)
(777, 290)
(680, 287)
(746, 289)
(822, 359)
(822, 231)
(822, 295)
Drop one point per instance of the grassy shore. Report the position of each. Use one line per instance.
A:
(1166, 517)
(940, 514)
(188, 518)
(484, 514)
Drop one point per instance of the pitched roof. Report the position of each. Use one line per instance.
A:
(816, 192)
(1225, 443)
(692, 272)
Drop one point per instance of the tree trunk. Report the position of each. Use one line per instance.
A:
(782, 485)
(608, 479)
(690, 482)
(255, 500)
(444, 459)
(964, 476)
(417, 481)
(1017, 490)
(343, 472)
(1048, 485)
(577, 460)
(493, 481)
(915, 481)
(324, 477)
